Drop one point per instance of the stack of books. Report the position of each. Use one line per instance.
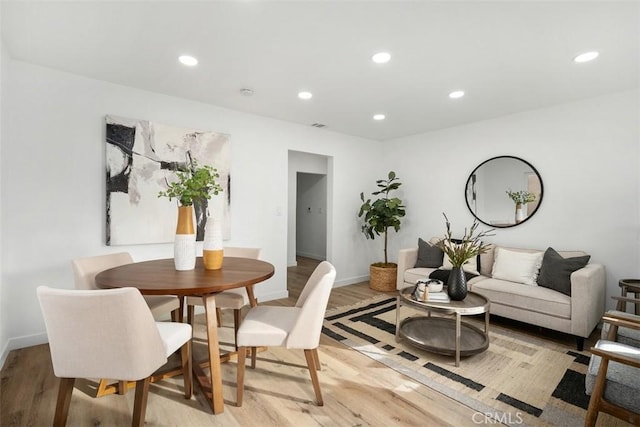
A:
(438, 297)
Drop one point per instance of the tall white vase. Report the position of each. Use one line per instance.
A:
(212, 249)
(520, 214)
(184, 248)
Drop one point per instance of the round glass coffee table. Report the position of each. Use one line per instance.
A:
(444, 334)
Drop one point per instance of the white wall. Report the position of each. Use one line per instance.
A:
(53, 211)
(311, 216)
(4, 333)
(587, 155)
(306, 163)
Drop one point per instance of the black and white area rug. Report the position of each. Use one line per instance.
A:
(518, 380)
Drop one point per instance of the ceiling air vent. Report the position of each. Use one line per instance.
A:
(318, 125)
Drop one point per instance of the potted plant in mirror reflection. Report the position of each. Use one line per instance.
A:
(459, 252)
(521, 198)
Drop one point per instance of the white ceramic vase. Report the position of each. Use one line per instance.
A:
(212, 249)
(184, 248)
(520, 215)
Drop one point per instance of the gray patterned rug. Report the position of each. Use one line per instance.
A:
(518, 380)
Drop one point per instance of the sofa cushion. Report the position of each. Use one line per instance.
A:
(429, 255)
(516, 266)
(530, 298)
(627, 336)
(412, 275)
(471, 266)
(623, 381)
(555, 272)
(486, 260)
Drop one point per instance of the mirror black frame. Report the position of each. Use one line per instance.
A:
(473, 173)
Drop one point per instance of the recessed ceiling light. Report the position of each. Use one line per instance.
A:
(456, 94)
(379, 117)
(305, 95)
(586, 57)
(381, 57)
(188, 60)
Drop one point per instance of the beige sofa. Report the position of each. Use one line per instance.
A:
(577, 314)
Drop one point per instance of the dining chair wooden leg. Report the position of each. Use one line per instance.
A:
(176, 315)
(236, 324)
(242, 356)
(186, 361)
(219, 317)
(122, 387)
(190, 314)
(140, 402)
(596, 394)
(316, 359)
(254, 354)
(311, 364)
(102, 387)
(65, 391)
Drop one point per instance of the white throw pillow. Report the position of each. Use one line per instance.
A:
(471, 266)
(519, 267)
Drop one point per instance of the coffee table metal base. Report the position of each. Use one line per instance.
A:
(438, 335)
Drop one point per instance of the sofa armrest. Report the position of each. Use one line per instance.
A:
(406, 259)
(587, 298)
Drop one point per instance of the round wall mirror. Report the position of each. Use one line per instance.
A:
(504, 191)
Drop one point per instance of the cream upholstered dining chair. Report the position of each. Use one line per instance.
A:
(109, 333)
(233, 298)
(84, 272)
(295, 327)
(613, 375)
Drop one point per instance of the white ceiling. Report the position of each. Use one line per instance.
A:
(507, 56)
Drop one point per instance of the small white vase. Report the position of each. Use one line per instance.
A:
(212, 246)
(520, 215)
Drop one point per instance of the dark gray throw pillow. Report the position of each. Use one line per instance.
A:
(555, 272)
(429, 256)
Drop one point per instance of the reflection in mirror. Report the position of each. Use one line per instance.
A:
(504, 191)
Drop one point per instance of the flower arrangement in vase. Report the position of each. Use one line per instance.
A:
(521, 198)
(459, 252)
(194, 186)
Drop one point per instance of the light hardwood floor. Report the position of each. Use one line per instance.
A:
(357, 390)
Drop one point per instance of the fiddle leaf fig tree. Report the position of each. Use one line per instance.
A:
(383, 213)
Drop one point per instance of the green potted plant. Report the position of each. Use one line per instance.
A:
(194, 188)
(459, 252)
(379, 216)
(520, 198)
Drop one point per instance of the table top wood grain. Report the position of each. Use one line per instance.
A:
(159, 277)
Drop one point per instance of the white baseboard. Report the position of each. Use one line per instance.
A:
(312, 256)
(351, 281)
(22, 342)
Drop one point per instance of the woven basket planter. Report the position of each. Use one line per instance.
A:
(383, 279)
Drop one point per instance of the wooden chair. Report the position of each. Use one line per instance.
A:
(84, 272)
(232, 299)
(613, 376)
(295, 327)
(109, 334)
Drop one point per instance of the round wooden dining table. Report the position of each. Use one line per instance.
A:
(159, 277)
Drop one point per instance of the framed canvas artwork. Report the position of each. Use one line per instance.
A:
(141, 159)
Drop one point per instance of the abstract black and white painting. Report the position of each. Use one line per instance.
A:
(141, 157)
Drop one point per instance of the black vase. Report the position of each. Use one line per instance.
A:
(457, 284)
